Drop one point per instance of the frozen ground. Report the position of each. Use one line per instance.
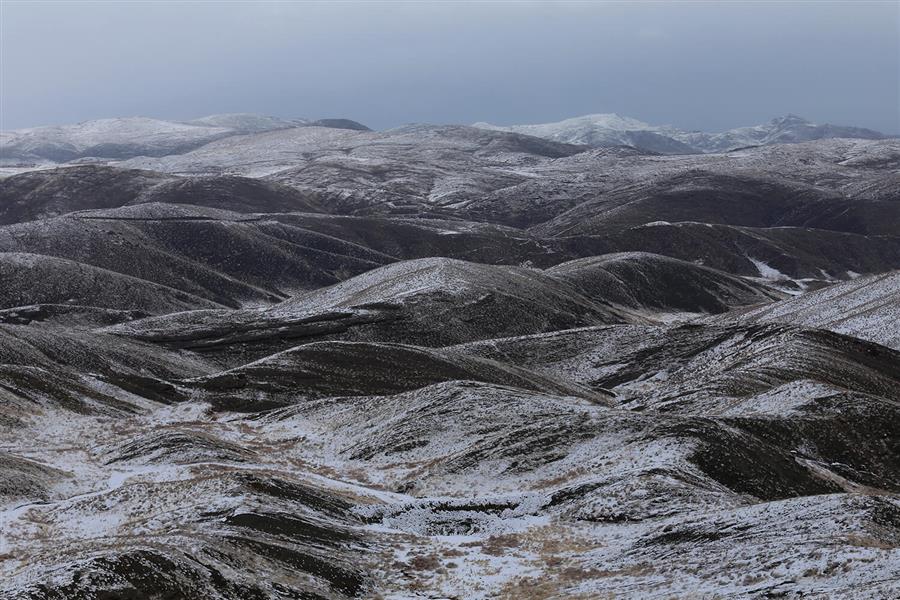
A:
(299, 361)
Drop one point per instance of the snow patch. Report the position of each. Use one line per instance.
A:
(766, 270)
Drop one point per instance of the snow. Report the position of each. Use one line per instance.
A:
(597, 129)
(590, 496)
(463, 552)
(610, 129)
(766, 270)
(246, 122)
(785, 400)
(253, 155)
(115, 131)
(866, 307)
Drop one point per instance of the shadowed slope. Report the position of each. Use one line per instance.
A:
(643, 281)
(36, 279)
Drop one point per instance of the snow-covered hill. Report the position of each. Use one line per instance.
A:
(308, 360)
(247, 122)
(122, 138)
(867, 308)
(610, 129)
(106, 138)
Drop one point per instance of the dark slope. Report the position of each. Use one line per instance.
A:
(339, 124)
(325, 369)
(701, 369)
(239, 194)
(428, 302)
(69, 315)
(650, 282)
(229, 261)
(797, 252)
(743, 200)
(410, 238)
(47, 368)
(794, 252)
(130, 248)
(858, 215)
(93, 352)
(42, 194)
(529, 202)
(34, 279)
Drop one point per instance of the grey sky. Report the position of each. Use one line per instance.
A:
(694, 65)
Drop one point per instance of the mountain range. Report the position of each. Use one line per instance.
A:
(251, 358)
(124, 138)
(138, 136)
(601, 130)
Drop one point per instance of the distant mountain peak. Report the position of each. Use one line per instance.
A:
(791, 119)
(340, 124)
(611, 129)
(128, 137)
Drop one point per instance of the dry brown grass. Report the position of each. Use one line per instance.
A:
(561, 478)
(545, 588)
(425, 562)
(498, 545)
(868, 541)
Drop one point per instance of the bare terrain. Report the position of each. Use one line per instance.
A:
(255, 358)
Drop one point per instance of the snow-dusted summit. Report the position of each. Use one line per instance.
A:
(611, 129)
(107, 138)
(247, 122)
(128, 137)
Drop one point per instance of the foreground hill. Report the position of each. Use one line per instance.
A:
(462, 455)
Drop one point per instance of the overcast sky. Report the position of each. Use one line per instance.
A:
(694, 65)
